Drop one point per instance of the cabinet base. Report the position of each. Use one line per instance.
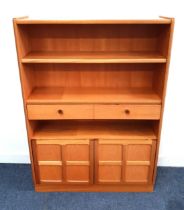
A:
(93, 188)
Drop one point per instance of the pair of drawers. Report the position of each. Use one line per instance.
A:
(115, 111)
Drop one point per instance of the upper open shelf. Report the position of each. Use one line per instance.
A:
(93, 43)
(93, 57)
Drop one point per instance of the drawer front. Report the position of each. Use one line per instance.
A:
(44, 112)
(127, 111)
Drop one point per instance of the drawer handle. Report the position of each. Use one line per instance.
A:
(60, 111)
(127, 111)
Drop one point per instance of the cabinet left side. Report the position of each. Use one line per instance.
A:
(26, 80)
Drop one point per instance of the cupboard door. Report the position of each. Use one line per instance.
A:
(108, 161)
(78, 162)
(64, 161)
(139, 162)
(49, 157)
(124, 161)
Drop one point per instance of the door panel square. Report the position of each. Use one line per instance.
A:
(110, 152)
(77, 152)
(138, 152)
(50, 173)
(109, 174)
(77, 174)
(48, 152)
(136, 173)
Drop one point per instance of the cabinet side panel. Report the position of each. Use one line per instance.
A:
(21, 50)
(158, 125)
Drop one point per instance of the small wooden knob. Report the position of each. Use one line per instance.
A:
(60, 111)
(127, 111)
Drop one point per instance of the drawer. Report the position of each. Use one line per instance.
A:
(127, 111)
(44, 112)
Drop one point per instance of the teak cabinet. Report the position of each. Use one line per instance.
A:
(93, 93)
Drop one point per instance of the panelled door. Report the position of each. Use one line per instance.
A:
(124, 161)
(64, 161)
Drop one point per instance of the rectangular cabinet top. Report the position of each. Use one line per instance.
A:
(26, 20)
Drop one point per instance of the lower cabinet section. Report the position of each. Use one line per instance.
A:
(94, 162)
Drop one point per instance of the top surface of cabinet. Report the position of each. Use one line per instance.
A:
(125, 21)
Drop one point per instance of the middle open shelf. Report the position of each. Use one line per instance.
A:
(94, 83)
(127, 130)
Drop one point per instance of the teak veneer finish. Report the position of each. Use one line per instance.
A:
(94, 93)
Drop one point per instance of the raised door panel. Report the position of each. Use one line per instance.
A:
(49, 152)
(139, 162)
(137, 173)
(78, 167)
(108, 162)
(50, 173)
(140, 152)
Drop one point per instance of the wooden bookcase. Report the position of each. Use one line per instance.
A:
(93, 95)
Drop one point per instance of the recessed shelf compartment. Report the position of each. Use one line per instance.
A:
(94, 43)
(94, 83)
(93, 130)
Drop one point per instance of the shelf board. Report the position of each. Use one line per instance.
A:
(125, 21)
(93, 57)
(50, 95)
(84, 130)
